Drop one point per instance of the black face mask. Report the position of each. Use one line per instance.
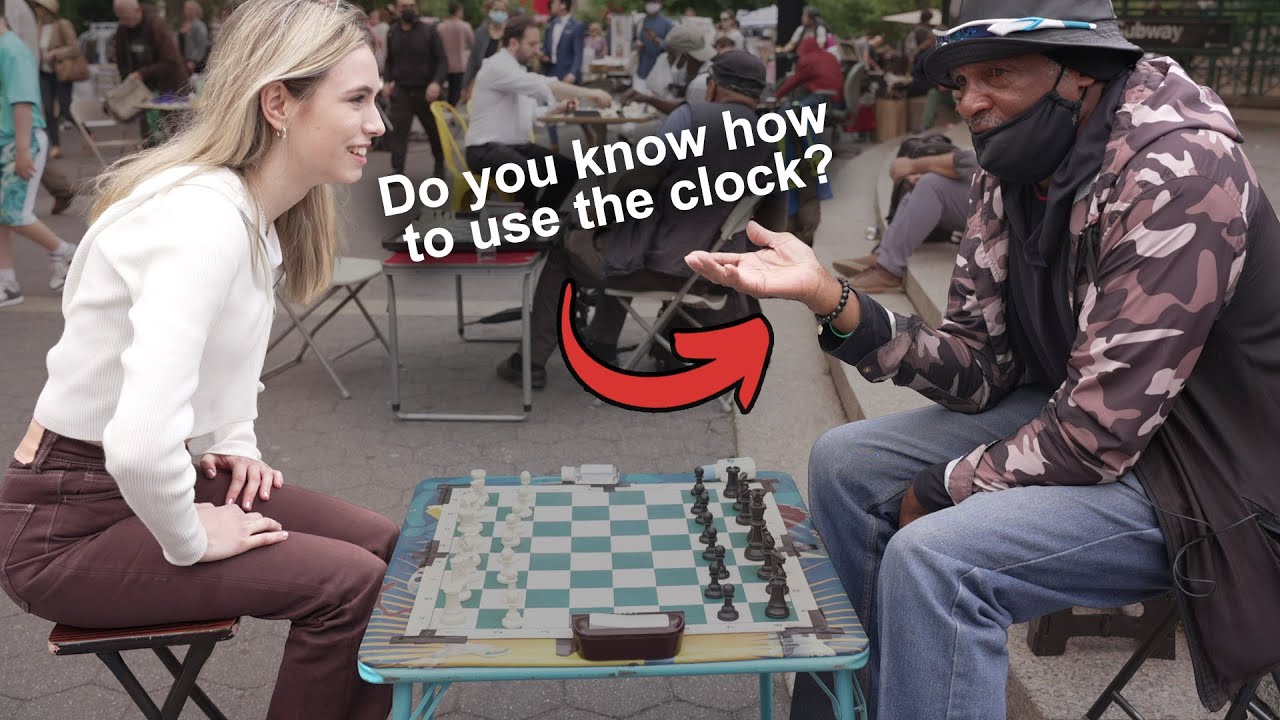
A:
(408, 15)
(1031, 146)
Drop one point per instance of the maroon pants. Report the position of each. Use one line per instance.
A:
(72, 551)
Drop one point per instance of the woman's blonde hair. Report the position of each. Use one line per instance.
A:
(263, 41)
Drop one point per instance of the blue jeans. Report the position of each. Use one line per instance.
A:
(937, 597)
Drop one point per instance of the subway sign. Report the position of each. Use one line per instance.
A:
(1164, 33)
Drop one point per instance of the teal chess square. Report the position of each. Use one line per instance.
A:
(491, 581)
(670, 542)
(668, 512)
(677, 577)
(626, 498)
(590, 579)
(591, 512)
(632, 561)
(547, 598)
(558, 561)
(693, 614)
(490, 619)
(634, 597)
(628, 527)
(591, 544)
(554, 499)
(553, 529)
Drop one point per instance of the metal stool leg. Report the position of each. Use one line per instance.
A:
(1112, 693)
(177, 669)
(185, 679)
(116, 664)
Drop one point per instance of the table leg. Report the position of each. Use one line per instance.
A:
(394, 328)
(401, 701)
(526, 332)
(457, 285)
(766, 696)
(844, 695)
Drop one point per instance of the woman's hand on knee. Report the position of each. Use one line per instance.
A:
(232, 531)
(254, 477)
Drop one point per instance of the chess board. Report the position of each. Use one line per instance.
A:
(615, 549)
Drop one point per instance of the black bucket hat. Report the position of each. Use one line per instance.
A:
(994, 29)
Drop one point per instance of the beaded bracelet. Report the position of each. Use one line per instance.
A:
(844, 300)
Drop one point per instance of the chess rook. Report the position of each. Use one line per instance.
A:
(731, 486)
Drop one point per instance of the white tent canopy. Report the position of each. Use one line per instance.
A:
(766, 17)
(913, 17)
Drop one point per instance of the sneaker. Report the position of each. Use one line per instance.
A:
(60, 204)
(10, 294)
(852, 266)
(59, 264)
(509, 370)
(876, 279)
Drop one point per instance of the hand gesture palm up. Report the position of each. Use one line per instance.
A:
(784, 267)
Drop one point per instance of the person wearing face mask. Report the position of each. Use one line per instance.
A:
(651, 37)
(488, 40)
(415, 72)
(1105, 375)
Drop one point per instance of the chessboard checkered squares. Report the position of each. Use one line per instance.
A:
(628, 512)
(680, 595)
(591, 561)
(547, 579)
(590, 499)
(592, 528)
(671, 558)
(547, 545)
(591, 597)
(552, 513)
(677, 526)
(636, 578)
(554, 617)
(636, 543)
(634, 597)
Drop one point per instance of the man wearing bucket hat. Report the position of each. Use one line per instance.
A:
(1107, 374)
(680, 74)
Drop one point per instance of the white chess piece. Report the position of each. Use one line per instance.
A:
(477, 485)
(515, 527)
(468, 515)
(509, 573)
(521, 508)
(453, 614)
(512, 620)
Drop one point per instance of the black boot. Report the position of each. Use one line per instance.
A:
(509, 370)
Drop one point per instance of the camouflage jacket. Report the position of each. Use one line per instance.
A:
(1175, 367)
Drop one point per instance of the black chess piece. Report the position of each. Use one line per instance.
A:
(708, 536)
(731, 486)
(777, 607)
(743, 506)
(714, 591)
(724, 569)
(700, 503)
(779, 565)
(755, 538)
(741, 502)
(710, 552)
(705, 518)
(698, 487)
(766, 570)
(728, 613)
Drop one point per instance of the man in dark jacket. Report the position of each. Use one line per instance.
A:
(1107, 372)
(147, 49)
(416, 70)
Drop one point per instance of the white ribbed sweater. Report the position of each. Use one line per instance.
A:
(167, 320)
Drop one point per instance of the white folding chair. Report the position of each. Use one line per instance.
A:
(90, 115)
(678, 302)
(350, 275)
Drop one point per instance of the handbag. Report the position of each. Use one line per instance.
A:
(125, 100)
(71, 69)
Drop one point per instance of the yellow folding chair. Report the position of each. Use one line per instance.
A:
(452, 127)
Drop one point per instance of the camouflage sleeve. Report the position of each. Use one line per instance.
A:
(964, 364)
(1170, 256)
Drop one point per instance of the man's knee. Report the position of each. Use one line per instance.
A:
(837, 461)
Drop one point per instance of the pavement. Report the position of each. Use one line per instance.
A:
(378, 460)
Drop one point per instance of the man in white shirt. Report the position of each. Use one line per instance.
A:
(506, 100)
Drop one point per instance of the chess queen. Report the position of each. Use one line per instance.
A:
(106, 520)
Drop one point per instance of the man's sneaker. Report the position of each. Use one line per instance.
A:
(509, 370)
(875, 280)
(10, 294)
(59, 264)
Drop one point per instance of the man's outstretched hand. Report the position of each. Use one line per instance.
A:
(784, 267)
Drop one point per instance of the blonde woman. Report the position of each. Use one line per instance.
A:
(138, 495)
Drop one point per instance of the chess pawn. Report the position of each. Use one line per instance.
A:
(460, 574)
(728, 613)
(714, 591)
(508, 574)
(515, 528)
(724, 568)
(698, 487)
(477, 487)
(710, 552)
(521, 508)
(512, 619)
(452, 613)
(525, 494)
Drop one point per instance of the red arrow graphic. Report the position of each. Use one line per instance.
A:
(731, 356)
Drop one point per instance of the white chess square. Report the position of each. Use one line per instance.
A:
(673, 559)
(496, 599)
(492, 562)
(757, 592)
(552, 513)
(642, 608)
(546, 618)
(546, 545)
(591, 597)
(468, 622)
(637, 578)
(548, 579)
(633, 543)
(590, 561)
(628, 512)
(663, 496)
(594, 498)
(669, 527)
(680, 595)
(592, 528)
